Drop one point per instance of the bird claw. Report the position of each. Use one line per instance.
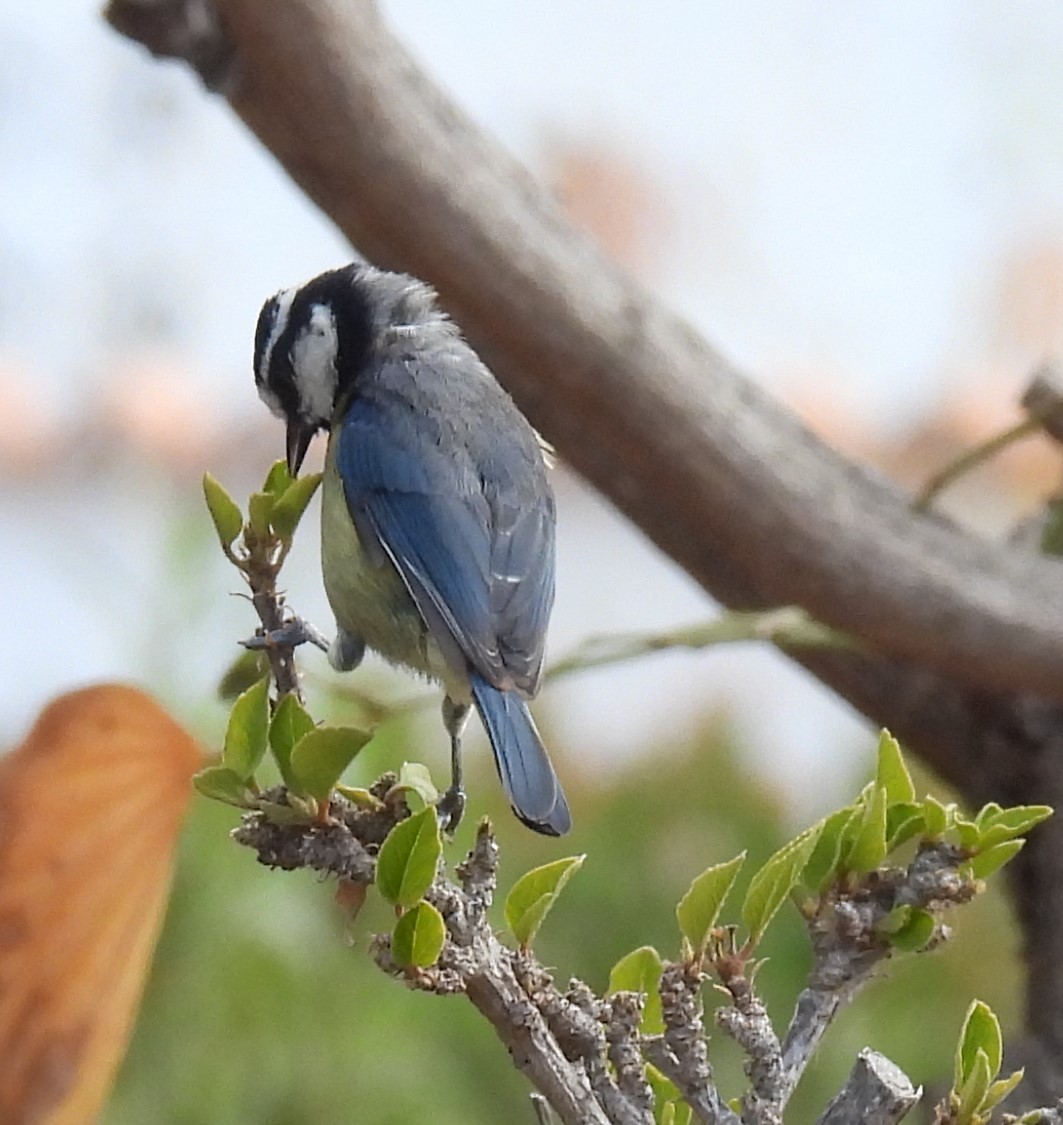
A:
(450, 808)
(294, 632)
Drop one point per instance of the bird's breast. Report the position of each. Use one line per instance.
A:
(368, 598)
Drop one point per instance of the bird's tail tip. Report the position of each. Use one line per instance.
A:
(523, 764)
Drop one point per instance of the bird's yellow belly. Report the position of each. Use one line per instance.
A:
(369, 600)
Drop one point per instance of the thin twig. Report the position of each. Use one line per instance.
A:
(705, 1103)
(849, 945)
(1043, 402)
(971, 459)
(748, 1023)
(618, 1106)
(682, 1052)
(622, 1035)
(786, 626)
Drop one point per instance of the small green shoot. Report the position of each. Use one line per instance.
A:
(418, 937)
(409, 858)
(247, 734)
(771, 885)
(640, 971)
(224, 512)
(290, 723)
(533, 896)
(976, 1090)
(699, 908)
(319, 758)
(225, 785)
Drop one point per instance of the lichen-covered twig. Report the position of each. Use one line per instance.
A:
(849, 944)
(748, 1023)
(681, 1053)
(561, 1042)
(622, 1034)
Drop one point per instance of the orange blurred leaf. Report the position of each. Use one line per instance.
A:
(90, 807)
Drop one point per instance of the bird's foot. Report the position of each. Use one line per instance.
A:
(450, 808)
(294, 632)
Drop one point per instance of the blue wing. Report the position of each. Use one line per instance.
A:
(471, 529)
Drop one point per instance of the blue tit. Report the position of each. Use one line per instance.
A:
(437, 517)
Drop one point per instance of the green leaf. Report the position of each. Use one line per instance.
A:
(222, 784)
(869, 846)
(916, 933)
(664, 1090)
(771, 885)
(903, 821)
(640, 971)
(278, 479)
(897, 919)
(320, 757)
(415, 778)
(822, 864)
(259, 514)
(297, 812)
(974, 1089)
(938, 818)
(408, 858)
(419, 936)
(675, 1112)
(246, 734)
(968, 833)
(854, 825)
(980, 1032)
(985, 863)
(361, 797)
(892, 773)
(533, 895)
(228, 521)
(699, 908)
(987, 814)
(1009, 823)
(998, 1091)
(248, 668)
(290, 506)
(289, 724)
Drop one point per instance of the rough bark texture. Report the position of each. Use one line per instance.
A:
(719, 476)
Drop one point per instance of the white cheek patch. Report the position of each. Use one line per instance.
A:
(280, 322)
(313, 357)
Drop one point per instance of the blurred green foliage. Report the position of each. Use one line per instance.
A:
(259, 1011)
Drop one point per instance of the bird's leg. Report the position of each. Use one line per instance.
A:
(346, 651)
(451, 806)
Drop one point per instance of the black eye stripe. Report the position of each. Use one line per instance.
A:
(281, 377)
(288, 314)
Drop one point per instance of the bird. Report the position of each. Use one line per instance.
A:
(437, 515)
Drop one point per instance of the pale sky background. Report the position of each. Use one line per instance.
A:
(845, 185)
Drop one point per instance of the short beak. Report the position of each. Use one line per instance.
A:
(300, 434)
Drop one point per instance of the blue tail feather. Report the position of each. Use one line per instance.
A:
(523, 765)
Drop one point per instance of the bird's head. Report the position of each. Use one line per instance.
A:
(313, 341)
(298, 359)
